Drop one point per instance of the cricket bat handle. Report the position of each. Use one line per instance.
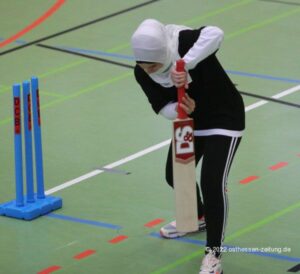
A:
(180, 91)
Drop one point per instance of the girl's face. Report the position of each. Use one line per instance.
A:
(150, 67)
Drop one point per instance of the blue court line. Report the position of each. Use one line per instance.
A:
(99, 52)
(83, 221)
(20, 42)
(232, 247)
(126, 57)
(184, 240)
(262, 76)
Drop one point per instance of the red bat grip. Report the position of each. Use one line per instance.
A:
(180, 91)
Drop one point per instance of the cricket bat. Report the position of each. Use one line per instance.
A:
(184, 173)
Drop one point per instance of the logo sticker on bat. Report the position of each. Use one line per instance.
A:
(184, 140)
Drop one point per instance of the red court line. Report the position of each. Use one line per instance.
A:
(50, 269)
(154, 222)
(84, 254)
(118, 239)
(248, 179)
(41, 19)
(278, 166)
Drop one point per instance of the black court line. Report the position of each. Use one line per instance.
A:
(295, 269)
(113, 170)
(78, 27)
(282, 2)
(86, 56)
(270, 99)
(132, 67)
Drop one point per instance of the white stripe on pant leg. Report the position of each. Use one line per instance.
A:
(226, 203)
(224, 189)
(235, 141)
(231, 160)
(224, 184)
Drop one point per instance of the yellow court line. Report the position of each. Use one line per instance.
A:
(51, 94)
(235, 235)
(112, 80)
(7, 88)
(127, 45)
(89, 89)
(80, 92)
(217, 12)
(115, 49)
(263, 23)
(195, 19)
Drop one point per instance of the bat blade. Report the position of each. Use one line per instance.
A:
(184, 175)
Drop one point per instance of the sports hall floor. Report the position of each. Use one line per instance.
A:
(105, 150)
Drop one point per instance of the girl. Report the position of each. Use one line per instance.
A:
(211, 100)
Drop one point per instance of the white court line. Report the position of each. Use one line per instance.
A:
(112, 165)
(153, 148)
(276, 96)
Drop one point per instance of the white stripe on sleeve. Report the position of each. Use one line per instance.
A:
(208, 42)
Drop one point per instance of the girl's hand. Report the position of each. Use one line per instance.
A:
(188, 104)
(179, 78)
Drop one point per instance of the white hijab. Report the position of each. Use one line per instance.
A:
(158, 43)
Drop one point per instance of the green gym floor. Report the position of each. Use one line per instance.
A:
(104, 148)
